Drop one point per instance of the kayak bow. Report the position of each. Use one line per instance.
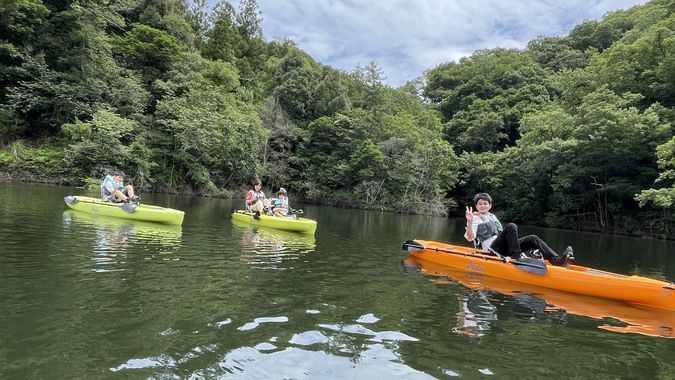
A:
(573, 278)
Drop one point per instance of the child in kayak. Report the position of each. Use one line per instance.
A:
(280, 203)
(484, 229)
(113, 189)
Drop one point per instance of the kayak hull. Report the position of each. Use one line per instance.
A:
(573, 279)
(146, 213)
(635, 319)
(301, 225)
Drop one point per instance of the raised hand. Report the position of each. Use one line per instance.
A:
(469, 214)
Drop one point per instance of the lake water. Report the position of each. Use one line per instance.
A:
(87, 297)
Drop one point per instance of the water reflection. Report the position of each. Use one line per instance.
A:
(325, 351)
(267, 247)
(476, 311)
(474, 315)
(114, 237)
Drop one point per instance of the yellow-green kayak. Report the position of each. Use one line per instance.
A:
(142, 212)
(303, 225)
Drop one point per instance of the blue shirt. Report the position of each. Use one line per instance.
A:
(108, 186)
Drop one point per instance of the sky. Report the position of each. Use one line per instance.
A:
(407, 37)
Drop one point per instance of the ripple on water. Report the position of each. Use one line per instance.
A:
(161, 361)
(368, 318)
(308, 338)
(376, 362)
(256, 322)
(369, 358)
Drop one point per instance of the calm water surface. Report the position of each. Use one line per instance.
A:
(87, 297)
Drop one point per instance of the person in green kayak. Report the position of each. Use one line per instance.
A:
(484, 229)
(256, 200)
(280, 203)
(113, 189)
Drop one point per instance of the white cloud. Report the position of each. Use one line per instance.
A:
(407, 37)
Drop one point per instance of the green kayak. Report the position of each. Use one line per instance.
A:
(289, 223)
(147, 213)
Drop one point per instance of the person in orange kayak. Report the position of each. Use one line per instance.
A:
(484, 229)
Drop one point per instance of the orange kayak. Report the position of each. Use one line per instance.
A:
(573, 278)
(635, 319)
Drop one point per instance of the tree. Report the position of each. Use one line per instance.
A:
(149, 50)
(107, 141)
(613, 157)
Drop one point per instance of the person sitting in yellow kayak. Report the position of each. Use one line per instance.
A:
(256, 200)
(113, 189)
(280, 204)
(484, 229)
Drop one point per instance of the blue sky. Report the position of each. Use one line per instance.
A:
(407, 37)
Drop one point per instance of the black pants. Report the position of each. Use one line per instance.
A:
(508, 244)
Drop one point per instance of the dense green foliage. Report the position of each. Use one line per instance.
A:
(573, 131)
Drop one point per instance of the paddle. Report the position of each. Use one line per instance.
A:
(529, 264)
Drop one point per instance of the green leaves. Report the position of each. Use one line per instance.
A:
(21, 20)
(487, 94)
(565, 132)
(215, 136)
(150, 49)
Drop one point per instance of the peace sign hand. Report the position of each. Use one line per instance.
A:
(469, 214)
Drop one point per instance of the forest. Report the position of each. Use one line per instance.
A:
(572, 131)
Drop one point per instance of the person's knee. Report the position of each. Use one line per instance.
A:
(511, 227)
(118, 196)
(257, 206)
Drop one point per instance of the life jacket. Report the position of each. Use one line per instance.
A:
(252, 197)
(252, 194)
(278, 203)
(489, 228)
(108, 186)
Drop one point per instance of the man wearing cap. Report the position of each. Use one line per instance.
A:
(113, 189)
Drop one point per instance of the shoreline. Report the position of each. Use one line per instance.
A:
(228, 194)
